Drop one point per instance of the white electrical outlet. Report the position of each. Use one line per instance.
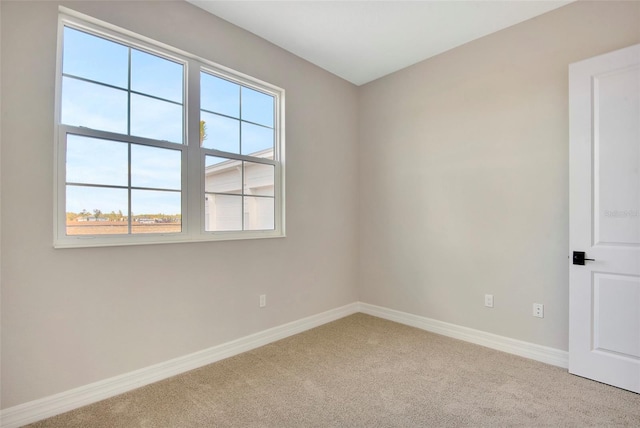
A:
(263, 300)
(538, 310)
(488, 300)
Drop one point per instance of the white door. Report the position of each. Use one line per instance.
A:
(604, 296)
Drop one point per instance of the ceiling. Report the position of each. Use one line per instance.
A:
(361, 41)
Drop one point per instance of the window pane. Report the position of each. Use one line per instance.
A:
(156, 76)
(223, 175)
(95, 58)
(97, 161)
(155, 211)
(219, 95)
(222, 133)
(258, 179)
(223, 212)
(96, 210)
(93, 106)
(257, 107)
(259, 213)
(160, 120)
(214, 160)
(256, 139)
(155, 167)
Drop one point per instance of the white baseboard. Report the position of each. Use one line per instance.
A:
(46, 407)
(541, 353)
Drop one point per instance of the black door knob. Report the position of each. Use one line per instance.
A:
(579, 258)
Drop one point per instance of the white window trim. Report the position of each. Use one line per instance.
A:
(193, 179)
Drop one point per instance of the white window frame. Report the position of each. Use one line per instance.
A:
(193, 156)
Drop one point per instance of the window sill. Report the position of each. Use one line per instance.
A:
(121, 241)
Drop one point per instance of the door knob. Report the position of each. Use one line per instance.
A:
(579, 258)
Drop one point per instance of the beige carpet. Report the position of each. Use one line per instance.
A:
(362, 371)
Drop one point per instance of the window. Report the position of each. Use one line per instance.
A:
(140, 161)
(239, 189)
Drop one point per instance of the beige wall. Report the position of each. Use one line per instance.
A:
(71, 317)
(450, 180)
(464, 175)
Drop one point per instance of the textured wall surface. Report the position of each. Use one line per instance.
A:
(464, 175)
(72, 317)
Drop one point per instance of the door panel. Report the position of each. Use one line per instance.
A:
(616, 154)
(604, 295)
(616, 299)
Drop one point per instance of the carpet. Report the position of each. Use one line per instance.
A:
(362, 371)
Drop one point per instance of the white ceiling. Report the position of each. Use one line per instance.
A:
(361, 41)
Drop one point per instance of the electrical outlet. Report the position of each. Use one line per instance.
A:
(263, 300)
(538, 310)
(488, 300)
